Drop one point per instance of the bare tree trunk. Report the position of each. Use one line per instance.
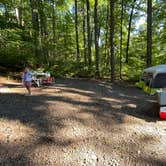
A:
(43, 20)
(121, 37)
(149, 33)
(84, 33)
(44, 31)
(112, 57)
(17, 15)
(76, 31)
(21, 17)
(106, 38)
(96, 37)
(129, 30)
(89, 33)
(53, 20)
(6, 14)
(35, 24)
(21, 11)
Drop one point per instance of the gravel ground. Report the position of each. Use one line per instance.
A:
(80, 123)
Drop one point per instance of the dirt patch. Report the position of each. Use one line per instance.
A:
(80, 122)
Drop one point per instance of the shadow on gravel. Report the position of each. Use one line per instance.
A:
(151, 161)
(11, 85)
(145, 107)
(33, 111)
(19, 107)
(20, 160)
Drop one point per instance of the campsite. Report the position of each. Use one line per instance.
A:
(80, 122)
(82, 83)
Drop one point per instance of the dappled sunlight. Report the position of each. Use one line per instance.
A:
(86, 155)
(151, 138)
(51, 91)
(127, 143)
(75, 130)
(12, 88)
(79, 91)
(70, 100)
(151, 130)
(115, 106)
(14, 132)
(131, 105)
(61, 108)
(75, 124)
(89, 155)
(4, 90)
(86, 116)
(114, 100)
(119, 103)
(77, 97)
(132, 120)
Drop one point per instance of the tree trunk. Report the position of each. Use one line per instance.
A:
(21, 17)
(96, 37)
(89, 33)
(149, 33)
(106, 38)
(121, 37)
(6, 15)
(112, 58)
(76, 31)
(44, 31)
(129, 30)
(53, 20)
(35, 24)
(43, 20)
(17, 13)
(84, 34)
(21, 11)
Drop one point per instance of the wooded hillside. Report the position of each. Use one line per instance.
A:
(86, 38)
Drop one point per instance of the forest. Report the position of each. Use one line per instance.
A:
(78, 103)
(114, 39)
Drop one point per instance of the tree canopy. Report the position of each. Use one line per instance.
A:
(86, 38)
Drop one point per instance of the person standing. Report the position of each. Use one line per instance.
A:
(27, 80)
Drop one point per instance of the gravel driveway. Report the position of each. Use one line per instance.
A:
(80, 123)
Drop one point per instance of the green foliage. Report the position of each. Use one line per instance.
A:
(15, 52)
(17, 44)
(69, 68)
(146, 89)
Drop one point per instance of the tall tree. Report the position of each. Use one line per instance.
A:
(121, 37)
(112, 56)
(129, 31)
(106, 36)
(89, 33)
(96, 36)
(149, 33)
(35, 24)
(43, 19)
(76, 30)
(54, 20)
(51, 31)
(18, 13)
(84, 33)
(43, 28)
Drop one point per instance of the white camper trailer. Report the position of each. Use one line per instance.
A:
(155, 77)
